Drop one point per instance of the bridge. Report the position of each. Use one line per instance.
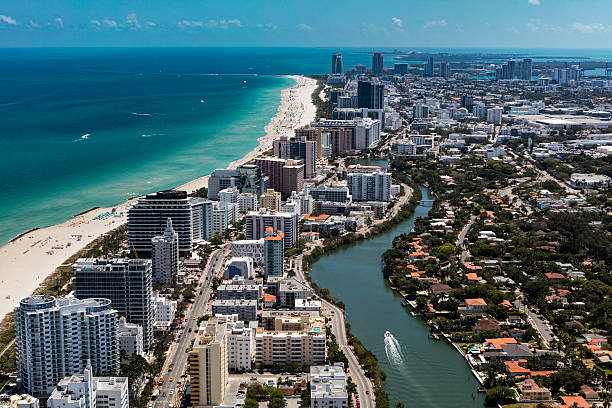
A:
(426, 203)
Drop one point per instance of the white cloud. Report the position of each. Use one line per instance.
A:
(536, 25)
(109, 23)
(34, 24)
(8, 20)
(304, 27)
(58, 22)
(435, 23)
(211, 23)
(235, 22)
(95, 22)
(397, 22)
(589, 28)
(534, 2)
(268, 26)
(151, 24)
(131, 20)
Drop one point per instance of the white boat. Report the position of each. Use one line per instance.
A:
(388, 334)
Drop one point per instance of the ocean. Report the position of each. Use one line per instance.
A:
(84, 127)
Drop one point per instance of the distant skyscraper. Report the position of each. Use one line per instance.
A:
(337, 67)
(370, 95)
(467, 102)
(165, 256)
(377, 64)
(525, 69)
(273, 252)
(445, 71)
(429, 67)
(57, 338)
(126, 282)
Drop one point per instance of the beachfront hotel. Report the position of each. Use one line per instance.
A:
(127, 283)
(57, 338)
(148, 218)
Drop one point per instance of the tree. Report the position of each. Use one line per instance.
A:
(251, 403)
(498, 395)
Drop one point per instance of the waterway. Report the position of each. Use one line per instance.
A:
(421, 372)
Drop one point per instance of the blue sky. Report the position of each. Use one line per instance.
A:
(390, 23)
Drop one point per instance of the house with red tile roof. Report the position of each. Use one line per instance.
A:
(569, 400)
(475, 305)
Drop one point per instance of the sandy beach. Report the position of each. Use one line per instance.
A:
(29, 259)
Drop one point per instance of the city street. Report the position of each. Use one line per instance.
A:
(178, 352)
(540, 324)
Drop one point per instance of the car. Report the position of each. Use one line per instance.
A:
(170, 367)
(171, 392)
(194, 318)
(253, 378)
(171, 379)
(368, 392)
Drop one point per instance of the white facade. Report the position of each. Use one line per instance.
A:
(257, 222)
(251, 248)
(165, 309)
(165, 256)
(86, 391)
(247, 202)
(240, 344)
(370, 186)
(130, 338)
(494, 116)
(55, 338)
(328, 386)
(406, 147)
(18, 401)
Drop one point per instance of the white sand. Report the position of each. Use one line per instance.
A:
(27, 261)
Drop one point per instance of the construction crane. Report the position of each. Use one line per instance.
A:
(134, 249)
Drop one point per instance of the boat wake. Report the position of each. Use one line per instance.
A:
(393, 350)
(141, 114)
(83, 137)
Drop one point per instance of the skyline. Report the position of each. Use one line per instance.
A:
(442, 23)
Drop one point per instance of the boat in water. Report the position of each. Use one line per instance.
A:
(388, 335)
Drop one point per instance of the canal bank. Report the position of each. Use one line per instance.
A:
(420, 371)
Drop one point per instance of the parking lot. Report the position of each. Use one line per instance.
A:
(235, 395)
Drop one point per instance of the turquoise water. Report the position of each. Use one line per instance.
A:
(421, 372)
(78, 139)
(140, 109)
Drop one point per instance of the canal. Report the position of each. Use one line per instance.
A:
(421, 372)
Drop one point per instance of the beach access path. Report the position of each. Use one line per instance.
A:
(28, 260)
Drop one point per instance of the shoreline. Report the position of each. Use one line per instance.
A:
(31, 256)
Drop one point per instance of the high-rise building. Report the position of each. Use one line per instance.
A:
(274, 252)
(285, 175)
(350, 135)
(127, 283)
(258, 222)
(247, 178)
(525, 69)
(467, 102)
(57, 338)
(165, 257)
(480, 110)
(445, 69)
(429, 67)
(131, 339)
(148, 218)
(328, 386)
(494, 115)
(370, 95)
(240, 344)
(370, 186)
(337, 63)
(400, 68)
(249, 248)
(86, 391)
(377, 64)
(208, 364)
(241, 266)
(247, 202)
(305, 150)
(271, 200)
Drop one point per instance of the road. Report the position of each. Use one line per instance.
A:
(540, 324)
(177, 354)
(339, 330)
(461, 238)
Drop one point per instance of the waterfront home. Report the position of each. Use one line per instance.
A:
(517, 352)
(440, 288)
(486, 324)
(530, 390)
(497, 343)
(477, 305)
(514, 369)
